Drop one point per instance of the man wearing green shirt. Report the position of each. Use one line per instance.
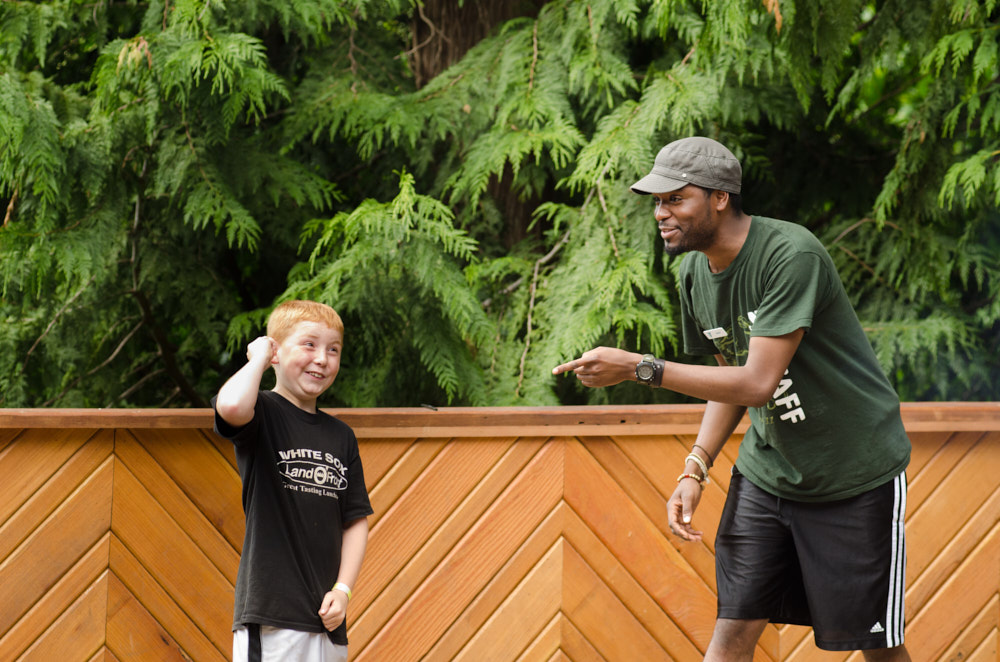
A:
(812, 530)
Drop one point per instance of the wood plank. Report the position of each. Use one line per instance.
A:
(103, 655)
(601, 617)
(225, 448)
(638, 544)
(177, 502)
(947, 552)
(972, 585)
(545, 647)
(456, 580)
(8, 435)
(576, 646)
(170, 556)
(500, 586)
(377, 598)
(620, 581)
(556, 421)
(56, 545)
(522, 616)
(923, 447)
(939, 467)
(967, 484)
(43, 613)
(640, 465)
(187, 632)
(402, 474)
(380, 455)
(70, 418)
(428, 501)
(46, 499)
(203, 475)
(988, 650)
(132, 633)
(79, 629)
(969, 644)
(31, 461)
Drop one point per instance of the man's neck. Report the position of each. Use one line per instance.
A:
(729, 240)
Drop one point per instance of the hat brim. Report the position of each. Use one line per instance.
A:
(654, 183)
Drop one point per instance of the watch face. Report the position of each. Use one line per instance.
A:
(644, 371)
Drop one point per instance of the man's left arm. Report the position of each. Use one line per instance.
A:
(748, 385)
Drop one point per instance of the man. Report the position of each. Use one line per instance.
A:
(812, 529)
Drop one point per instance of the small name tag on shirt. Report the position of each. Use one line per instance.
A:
(713, 334)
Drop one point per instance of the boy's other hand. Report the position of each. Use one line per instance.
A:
(333, 609)
(263, 348)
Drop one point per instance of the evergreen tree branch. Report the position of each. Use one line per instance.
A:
(53, 321)
(135, 387)
(92, 372)
(167, 353)
(527, 334)
(531, 304)
(10, 208)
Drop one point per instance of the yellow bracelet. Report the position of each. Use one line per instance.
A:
(343, 588)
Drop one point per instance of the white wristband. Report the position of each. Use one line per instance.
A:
(343, 588)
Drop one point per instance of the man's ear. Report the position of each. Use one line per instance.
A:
(720, 199)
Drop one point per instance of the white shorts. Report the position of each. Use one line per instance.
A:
(268, 644)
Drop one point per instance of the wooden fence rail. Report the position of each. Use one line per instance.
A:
(499, 534)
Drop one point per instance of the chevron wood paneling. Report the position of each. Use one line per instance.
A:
(498, 534)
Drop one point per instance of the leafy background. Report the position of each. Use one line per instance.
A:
(452, 177)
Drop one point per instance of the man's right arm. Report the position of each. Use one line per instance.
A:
(717, 426)
(238, 396)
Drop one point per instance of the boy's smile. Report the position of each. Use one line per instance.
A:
(306, 363)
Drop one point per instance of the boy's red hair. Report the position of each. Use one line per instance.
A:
(287, 315)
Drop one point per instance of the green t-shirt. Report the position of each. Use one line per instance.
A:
(832, 429)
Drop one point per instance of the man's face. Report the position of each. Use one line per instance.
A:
(685, 220)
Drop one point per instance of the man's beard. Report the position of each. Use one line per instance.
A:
(698, 237)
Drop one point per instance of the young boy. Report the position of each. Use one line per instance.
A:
(303, 492)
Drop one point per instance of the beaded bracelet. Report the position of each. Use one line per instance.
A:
(701, 481)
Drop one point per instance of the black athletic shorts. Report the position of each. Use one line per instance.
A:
(838, 566)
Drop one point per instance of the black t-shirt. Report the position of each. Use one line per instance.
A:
(302, 482)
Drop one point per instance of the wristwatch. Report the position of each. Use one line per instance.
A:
(645, 370)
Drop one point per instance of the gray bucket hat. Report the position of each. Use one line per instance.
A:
(695, 160)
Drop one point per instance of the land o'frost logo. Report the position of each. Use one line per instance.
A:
(307, 470)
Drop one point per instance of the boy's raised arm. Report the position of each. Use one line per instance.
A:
(238, 396)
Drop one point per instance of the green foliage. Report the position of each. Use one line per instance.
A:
(171, 170)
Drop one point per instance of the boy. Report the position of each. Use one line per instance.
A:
(303, 492)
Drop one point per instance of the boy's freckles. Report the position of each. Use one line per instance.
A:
(308, 363)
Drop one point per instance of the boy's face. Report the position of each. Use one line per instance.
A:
(306, 363)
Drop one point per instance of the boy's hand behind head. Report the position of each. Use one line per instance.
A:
(262, 349)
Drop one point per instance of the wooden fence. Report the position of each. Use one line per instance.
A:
(498, 534)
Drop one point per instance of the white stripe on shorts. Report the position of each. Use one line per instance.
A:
(894, 611)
